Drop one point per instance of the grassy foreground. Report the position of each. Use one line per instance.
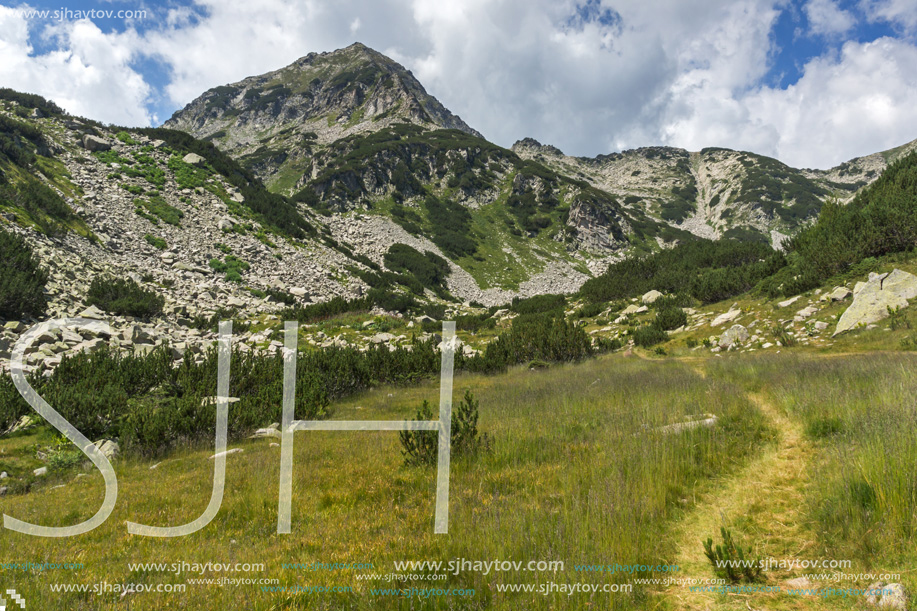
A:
(811, 457)
(576, 474)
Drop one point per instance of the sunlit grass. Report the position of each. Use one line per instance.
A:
(860, 414)
(576, 474)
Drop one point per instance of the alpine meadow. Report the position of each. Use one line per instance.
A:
(315, 342)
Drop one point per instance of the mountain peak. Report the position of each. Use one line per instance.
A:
(531, 145)
(270, 118)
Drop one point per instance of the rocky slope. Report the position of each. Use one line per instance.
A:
(717, 192)
(137, 207)
(273, 122)
(351, 132)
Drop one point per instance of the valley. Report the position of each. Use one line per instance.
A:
(652, 345)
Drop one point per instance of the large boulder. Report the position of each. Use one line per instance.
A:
(736, 334)
(901, 283)
(729, 316)
(94, 143)
(887, 596)
(633, 309)
(872, 299)
(839, 294)
(140, 335)
(193, 159)
(651, 297)
(108, 448)
(15, 326)
(92, 312)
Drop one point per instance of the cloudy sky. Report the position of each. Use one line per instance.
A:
(811, 82)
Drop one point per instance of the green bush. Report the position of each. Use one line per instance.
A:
(157, 207)
(649, 335)
(538, 304)
(708, 271)
(125, 137)
(670, 317)
(19, 141)
(590, 310)
(280, 296)
(429, 269)
(451, 226)
(22, 283)
(392, 302)
(421, 447)
(730, 561)
(783, 336)
(231, 266)
(541, 337)
(31, 100)
(327, 309)
(155, 242)
(474, 323)
(124, 297)
(186, 175)
(12, 405)
(44, 206)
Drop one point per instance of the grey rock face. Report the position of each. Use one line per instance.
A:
(94, 143)
(193, 159)
(838, 294)
(729, 316)
(736, 334)
(93, 313)
(108, 448)
(873, 299)
(895, 598)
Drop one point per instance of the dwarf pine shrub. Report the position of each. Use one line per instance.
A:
(22, 282)
(730, 561)
(422, 447)
(124, 297)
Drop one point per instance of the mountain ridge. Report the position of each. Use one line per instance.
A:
(382, 165)
(315, 100)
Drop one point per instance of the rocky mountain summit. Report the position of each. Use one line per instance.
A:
(369, 184)
(352, 133)
(273, 122)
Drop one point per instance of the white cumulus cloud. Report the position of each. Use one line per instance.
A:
(902, 13)
(826, 17)
(589, 76)
(89, 74)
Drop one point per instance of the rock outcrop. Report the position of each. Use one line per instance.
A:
(874, 298)
(733, 336)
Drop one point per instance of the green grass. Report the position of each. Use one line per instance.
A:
(156, 242)
(155, 208)
(574, 476)
(860, 413)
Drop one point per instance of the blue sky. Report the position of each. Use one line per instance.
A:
(812, 82)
